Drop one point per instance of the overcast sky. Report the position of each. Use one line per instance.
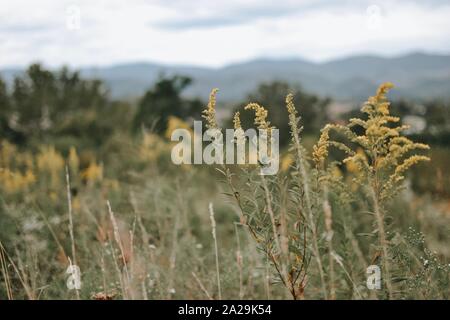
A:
(215, 33)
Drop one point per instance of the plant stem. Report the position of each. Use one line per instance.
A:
(383, 242)
(329, 237)
(213, 226)
(72, 238)
(304, 181)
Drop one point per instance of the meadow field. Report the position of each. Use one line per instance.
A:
(88, 189)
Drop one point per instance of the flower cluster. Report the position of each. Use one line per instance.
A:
(209, 114)
(260, 115)
(384, 159)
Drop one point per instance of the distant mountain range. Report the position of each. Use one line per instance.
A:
(416, 76)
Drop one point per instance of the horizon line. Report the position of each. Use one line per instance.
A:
(239, 62)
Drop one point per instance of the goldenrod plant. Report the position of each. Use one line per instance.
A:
(209, 114)
(382, 156)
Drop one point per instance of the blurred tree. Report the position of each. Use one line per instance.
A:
(433, 117)
(6, 118)
(165, 100)
(272, 96)
(4, 100)
(437, 117)
(59, 108)
(33, 101)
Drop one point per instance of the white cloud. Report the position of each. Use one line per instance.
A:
(215, 33)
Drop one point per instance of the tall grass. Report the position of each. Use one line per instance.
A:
(142, 227)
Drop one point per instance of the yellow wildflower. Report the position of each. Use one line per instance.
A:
(152, 147)
(320, 150)
(15, 181)
(290, 104)
(260, 115)
(51, 162)
(210, 113)
(74, 161)
(381, 149)
(286, 162)
(7, 152)
(237, 121)
(93, 173)
(174, 123)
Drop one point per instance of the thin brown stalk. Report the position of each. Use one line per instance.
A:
(173, 255)
(123, 286)
(200, 284)
(5, 273)
(216, 250)
(22, 275)
(303, 181)
(120, 244)
(329, 237)
(71, 233)
(271, 213)
(383, 243)
(239, 262)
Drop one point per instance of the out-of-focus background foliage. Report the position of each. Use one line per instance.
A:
(64, 110)
(118, 149)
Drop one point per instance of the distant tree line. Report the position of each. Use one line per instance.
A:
(63, 109)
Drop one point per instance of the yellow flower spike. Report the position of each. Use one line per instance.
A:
(260, 115)
(286, 162)
(320, 150)
(239, 134)
(237, 121)
(399, 170)
(74, 161)
(383, 108)
(49, 160)
(380, 155)
(7, 152)
(93, 173)
(383, 90)
(152, 147)
(336, 172)
(209, 114)
(174, 123)
(290, 104)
